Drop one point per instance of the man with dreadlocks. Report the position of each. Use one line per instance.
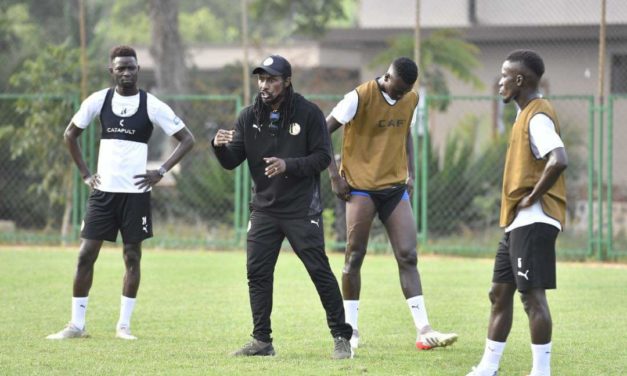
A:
(376, 176)
(284, 139)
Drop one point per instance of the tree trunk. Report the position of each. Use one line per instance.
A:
(167, 47)
(168, 52)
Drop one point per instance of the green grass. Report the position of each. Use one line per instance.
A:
(193, 310)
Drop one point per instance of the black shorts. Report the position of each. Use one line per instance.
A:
(107, 213)
(526, 257)
(385, 200)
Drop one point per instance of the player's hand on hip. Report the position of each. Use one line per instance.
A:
(147, 180)
(274, 166)
(410, 185)
(223, 137)
(92, 181)
(341, 188)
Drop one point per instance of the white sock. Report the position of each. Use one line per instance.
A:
(541, 360)
(79, 307)
(418, 312)
(126, 310)
(351, 311)
(492, 355)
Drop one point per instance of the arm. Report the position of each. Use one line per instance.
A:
(228, 146)
(411, 177)
(318, 150)
(152, 177)
(70, 137)
(556, 164)
(338, 184)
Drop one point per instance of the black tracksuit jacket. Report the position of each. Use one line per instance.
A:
(304, 145)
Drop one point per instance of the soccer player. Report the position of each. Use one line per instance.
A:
(284, 139)
(377, 176)
(533, 211)
(120, 196)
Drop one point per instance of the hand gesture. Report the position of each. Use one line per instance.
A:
(274, 166)
(223, 137)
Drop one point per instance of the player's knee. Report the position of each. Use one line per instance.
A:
(132, 254)
(354, 260)
(530, 303)
(492, 296)
(407, 258)
(86, 260)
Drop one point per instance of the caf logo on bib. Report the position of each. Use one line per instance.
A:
(294, 129)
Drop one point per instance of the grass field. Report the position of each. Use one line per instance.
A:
(193, 310)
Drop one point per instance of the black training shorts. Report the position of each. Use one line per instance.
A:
(385, 200)
(108, 212)
(526, 257)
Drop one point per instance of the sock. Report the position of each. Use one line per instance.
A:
(541, 359)
(492, 355)
(418, 312)
(79, 307)
(126, 310)
(351, 309)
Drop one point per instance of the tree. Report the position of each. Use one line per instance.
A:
(37, 137)
(305, 17)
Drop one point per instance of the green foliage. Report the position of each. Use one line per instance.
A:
(17, 38)
(206, 191)
(443, 50)
(202, 25)
(305, 17)
(37, 138)
(464, 184)
(199, 22)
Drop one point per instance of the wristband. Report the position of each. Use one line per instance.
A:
(162, 171)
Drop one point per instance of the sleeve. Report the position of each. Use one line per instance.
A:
(542, 135)
(233, 154)
(90, 108)
(346, 109)
(163, 116)
(414, 117)
(318, 149)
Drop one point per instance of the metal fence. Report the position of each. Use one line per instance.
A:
(459, 157)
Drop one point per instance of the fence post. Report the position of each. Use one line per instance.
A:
(424, 175)
(610, 176)
(591, 239)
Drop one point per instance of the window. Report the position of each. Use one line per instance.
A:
(618, 79)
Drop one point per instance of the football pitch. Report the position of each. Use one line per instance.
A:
(192, 311)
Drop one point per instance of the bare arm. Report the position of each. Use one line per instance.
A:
(151, 177)
(70, 137)
(556, 164)
(411, 177)
(338, 184)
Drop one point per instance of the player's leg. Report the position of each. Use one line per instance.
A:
(83, 278)
(134, 214)
(360, 211)
(98, 224)
(306, 236)
(536, 273)
(501, 297)
(262, 251)
(401, 229)
(132, 254)
(541, 328)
